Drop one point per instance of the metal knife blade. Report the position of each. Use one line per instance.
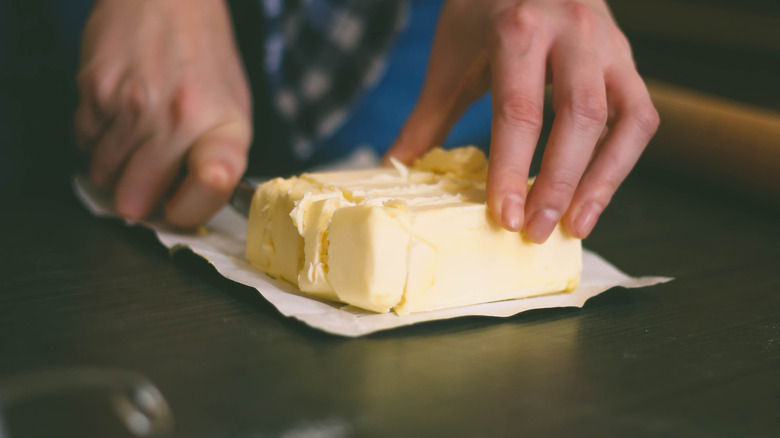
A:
(241, 199)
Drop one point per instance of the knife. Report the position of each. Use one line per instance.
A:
(241, 199)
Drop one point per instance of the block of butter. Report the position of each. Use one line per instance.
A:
(404, 239)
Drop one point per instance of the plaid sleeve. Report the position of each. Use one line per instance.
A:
(321, 55)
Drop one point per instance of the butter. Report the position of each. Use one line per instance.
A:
(368, 253)
(403, 239)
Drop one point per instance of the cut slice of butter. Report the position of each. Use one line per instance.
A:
(403, 239)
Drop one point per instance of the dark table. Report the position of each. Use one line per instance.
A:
(695, 357)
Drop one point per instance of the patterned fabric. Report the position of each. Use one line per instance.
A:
(321, 55)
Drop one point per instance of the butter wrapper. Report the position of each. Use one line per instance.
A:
(223, 245)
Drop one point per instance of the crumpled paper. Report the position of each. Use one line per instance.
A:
(223, 246)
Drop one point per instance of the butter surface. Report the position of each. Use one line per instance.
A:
(403, 239)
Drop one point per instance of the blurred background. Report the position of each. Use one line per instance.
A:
(713, 67)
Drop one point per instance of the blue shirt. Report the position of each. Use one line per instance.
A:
(379, 115)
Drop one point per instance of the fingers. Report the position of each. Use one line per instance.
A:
(518, 78)
(131, 126)
(453, 82)
(88, 126)
(580, 103)
(585, 160)
(215, 165)
(148, 102)
(94, 113)
(423, 130)
(112, 150)
(442, 102)
(139, 149)
(636, 123)
(148, 176)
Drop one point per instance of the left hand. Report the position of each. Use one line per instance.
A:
(604, 115)
(165, 108)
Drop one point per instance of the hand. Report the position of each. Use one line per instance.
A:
(165, 109)
(604, 116)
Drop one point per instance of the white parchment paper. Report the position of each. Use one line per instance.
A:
(223, 246)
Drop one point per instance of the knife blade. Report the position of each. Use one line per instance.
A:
(241, 199)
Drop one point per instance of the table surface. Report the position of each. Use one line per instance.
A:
(695, 357)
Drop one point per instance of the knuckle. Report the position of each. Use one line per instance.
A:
(620, 40)
(601, 187)
(509, 174)
(589, 108)
(186, 108)
(104, 100)
(526, 16)
(579, 15)
(520, 111)
(522, 21)
(562, 186)
(101, 87)
(607, 187)
(102, 91)
(138, 96)
(646, 118)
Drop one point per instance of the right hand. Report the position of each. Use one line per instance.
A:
(604, 115)
(165, 109)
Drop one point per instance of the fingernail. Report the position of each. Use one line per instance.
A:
(542, 224)
(586, 219)
(512, 212)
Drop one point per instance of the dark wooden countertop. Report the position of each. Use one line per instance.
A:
(695, 357)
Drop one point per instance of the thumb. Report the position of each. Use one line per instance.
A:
(215, 164)
(424, 128)
(445, 96)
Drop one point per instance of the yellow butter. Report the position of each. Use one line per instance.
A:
(367, 255)
(404, 239)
